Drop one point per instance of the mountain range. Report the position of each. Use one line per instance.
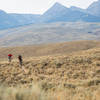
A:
(60, 13)
(57, 13)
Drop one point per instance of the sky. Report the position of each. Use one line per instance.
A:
(38, 6)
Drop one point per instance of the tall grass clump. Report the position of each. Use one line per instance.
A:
(21, 93)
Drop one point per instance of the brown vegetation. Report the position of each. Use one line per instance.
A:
(48, 49)
(70, 76)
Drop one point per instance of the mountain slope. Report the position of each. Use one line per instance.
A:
(54, 13)
(77, 9)
(49, 33)
(6, 20)
(59, 13)
(26, 18)
(94, 8)
(14, 20)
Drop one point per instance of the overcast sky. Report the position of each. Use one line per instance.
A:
(38, 6)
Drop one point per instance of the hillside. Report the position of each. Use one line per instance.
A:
(49, 33)
(94, 8)
(72, 76)
(25, 19)
(48, 49)
(56, 69)
(8, 20)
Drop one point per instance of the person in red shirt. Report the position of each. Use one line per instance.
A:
(10, 57)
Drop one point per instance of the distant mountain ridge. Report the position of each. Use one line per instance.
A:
(57, 13)
(8, 20)
(60, 13)
(94, 8)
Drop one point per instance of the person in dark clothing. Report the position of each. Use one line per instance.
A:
(10, 57)
(20, 60)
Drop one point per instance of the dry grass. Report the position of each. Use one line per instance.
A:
(36, 93)
(73, 76)
(48, 49)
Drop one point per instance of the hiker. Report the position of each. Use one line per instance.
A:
(20, 60)
(10, 57)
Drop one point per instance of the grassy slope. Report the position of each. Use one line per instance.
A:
(48, 49)
(70, 76)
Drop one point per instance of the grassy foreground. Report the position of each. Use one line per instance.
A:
(35, 93)
(75, 76)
